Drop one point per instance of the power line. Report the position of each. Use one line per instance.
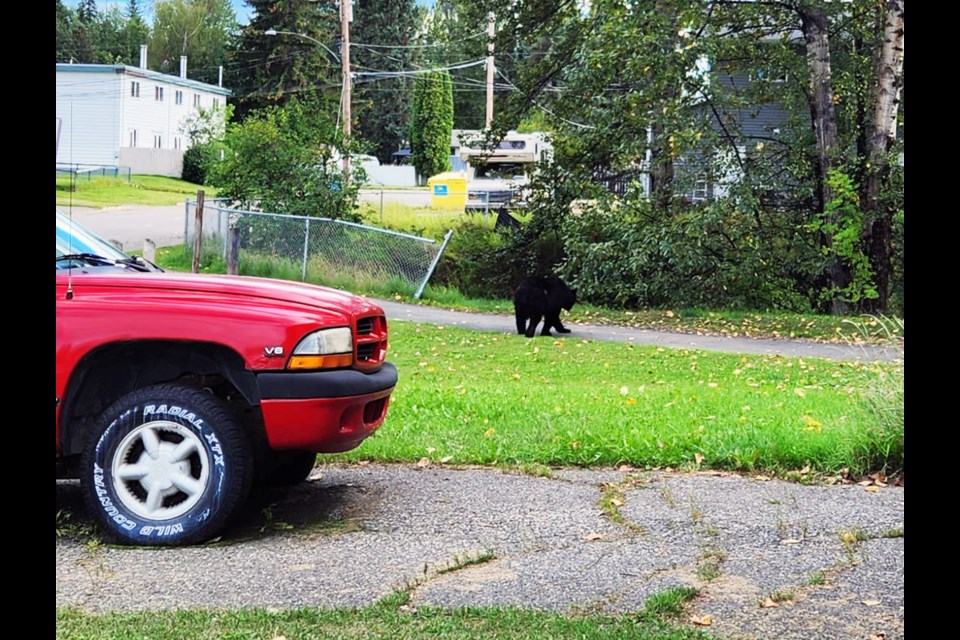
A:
(545, 110)
(418, 46)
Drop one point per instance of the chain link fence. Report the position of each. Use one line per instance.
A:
(89, 171)
(318, 245)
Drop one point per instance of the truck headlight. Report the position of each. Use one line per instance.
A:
(324, 349)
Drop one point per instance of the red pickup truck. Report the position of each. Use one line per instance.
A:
(177, 392)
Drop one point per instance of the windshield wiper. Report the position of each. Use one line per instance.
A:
(96, 260)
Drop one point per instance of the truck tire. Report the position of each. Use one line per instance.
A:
(165, 465)
(289, 468)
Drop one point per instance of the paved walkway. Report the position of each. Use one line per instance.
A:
(797, 348)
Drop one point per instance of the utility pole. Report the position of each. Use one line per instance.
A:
(346, 16)
(490, 36)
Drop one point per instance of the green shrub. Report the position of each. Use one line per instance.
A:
(486, 263)
(196, 162)
(702, 255)
(470, 263)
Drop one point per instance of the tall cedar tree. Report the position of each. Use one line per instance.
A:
(432, 123)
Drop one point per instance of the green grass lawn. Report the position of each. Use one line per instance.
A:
(468, 397)
(389, 619)
(140, 189)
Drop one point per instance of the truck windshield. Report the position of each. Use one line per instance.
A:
(73, 238)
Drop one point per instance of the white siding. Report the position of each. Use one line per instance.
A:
(101, 116)
(152, 117)
(149, 116)
(89, 104)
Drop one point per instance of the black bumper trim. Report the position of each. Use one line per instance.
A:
(342, 383)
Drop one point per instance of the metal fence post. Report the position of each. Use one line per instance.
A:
(198, 232)
(233, 250)
(433, 265)
(306, 246)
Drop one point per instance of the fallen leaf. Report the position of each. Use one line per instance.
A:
(424, 462)
(880, 635)
(870, 603)
(446, 459)
(872, 489)
(865, 483)
(616, 503)
(698, 458)
(769, 603)
(625, 467)
(703, 621)
(761, 478)
(791, 541)
(489, 432)
(590, 537)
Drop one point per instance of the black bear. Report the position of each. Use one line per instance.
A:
(542, 297)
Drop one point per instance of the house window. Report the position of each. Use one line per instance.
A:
(216, 103)
(196, 100)
(178, 97)
(699, 192)
(158, 93)
(157, 141)
(133, 137)
(134, 89)
(176, 142)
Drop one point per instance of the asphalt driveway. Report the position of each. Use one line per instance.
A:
(770, 559)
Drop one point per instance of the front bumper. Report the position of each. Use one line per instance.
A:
(324, 411)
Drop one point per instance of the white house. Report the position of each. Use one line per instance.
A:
(118, 115)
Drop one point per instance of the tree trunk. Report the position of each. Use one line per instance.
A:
(813, 21)
(878, 217)
(661, 171)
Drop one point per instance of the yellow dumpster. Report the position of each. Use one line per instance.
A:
(449, 190)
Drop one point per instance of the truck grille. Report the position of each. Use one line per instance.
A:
(371, 341)
(365, 325)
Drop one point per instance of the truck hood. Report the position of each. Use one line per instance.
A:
(221, 287)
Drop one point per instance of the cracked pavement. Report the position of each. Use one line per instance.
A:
(829, 557)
